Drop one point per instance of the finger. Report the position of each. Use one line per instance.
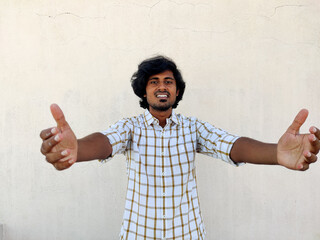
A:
(48, 144)
(304, 166)
(63, 165)
(314, 141)
(58, 116)
(298, 121)
(315, 131)
(310, 157)
(45, 134)
(57, 156)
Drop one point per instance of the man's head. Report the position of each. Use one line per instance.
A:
(157, 66)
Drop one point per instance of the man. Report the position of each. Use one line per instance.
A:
(160, 146)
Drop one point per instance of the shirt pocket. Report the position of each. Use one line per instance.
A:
(182, 151)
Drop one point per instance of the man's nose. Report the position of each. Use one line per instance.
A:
(162, 86)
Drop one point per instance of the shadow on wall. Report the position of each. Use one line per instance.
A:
(1, 231)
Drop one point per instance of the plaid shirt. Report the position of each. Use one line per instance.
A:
(162, 198)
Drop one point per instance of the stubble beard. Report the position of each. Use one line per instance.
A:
(161, 108)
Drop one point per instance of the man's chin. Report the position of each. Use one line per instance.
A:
(161, 108)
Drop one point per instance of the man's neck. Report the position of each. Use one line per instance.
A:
(161, 115)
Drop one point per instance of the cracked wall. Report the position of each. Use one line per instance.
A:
(250, 65)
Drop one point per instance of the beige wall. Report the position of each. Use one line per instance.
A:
(249, 67)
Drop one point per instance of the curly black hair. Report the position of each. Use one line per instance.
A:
(151, 67)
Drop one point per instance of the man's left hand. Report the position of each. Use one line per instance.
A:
(296, 151)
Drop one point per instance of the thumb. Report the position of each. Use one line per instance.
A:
(298, 121)
(58, 116)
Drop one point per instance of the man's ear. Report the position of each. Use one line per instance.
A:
(177, 92)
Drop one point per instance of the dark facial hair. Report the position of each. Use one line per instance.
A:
(162, 108)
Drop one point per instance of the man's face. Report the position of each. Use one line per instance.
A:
(161, 91)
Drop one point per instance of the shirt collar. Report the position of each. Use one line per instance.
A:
(149, 119)
(174, 118)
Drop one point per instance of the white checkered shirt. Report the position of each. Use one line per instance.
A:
(162, 198)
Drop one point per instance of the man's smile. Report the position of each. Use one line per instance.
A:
(163, 95)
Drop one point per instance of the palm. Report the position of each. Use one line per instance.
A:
(69, 141)
(290, 149)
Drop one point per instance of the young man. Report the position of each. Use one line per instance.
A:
(160, 146)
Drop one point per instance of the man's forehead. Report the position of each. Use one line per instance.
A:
(164, 74)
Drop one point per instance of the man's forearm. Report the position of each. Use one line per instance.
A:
(94, 146)
(251, 151)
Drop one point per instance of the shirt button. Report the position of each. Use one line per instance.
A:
(164, 216)
(163, 194)
(162, 153)
(163, 173)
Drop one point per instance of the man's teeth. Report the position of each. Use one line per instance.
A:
(162, 96)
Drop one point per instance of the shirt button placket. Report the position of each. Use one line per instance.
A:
(163, 181)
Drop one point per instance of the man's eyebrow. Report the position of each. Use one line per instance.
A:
(156, 78)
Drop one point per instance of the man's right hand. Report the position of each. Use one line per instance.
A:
(59, 144)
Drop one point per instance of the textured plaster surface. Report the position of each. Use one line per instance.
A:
(250, 66)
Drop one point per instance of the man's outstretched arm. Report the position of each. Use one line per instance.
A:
(294, 150)
(62, 149)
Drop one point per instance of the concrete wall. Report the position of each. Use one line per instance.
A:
(1, 231)
(249, 66)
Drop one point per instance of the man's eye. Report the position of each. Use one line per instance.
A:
(169, 82)
(153, 82)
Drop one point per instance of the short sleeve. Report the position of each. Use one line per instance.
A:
(119, 136)
(215, 142)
